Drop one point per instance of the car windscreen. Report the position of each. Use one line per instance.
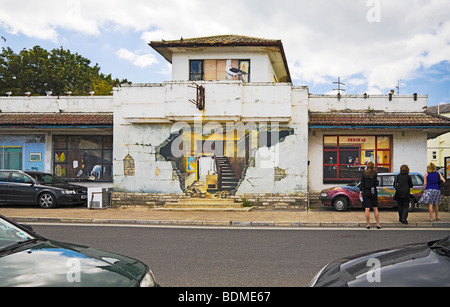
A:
(46, 178)
(10, 235)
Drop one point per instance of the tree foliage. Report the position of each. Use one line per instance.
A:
(37, 71)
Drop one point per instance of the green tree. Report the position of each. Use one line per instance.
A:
(38, 71)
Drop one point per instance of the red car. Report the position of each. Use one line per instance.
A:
(341, 198)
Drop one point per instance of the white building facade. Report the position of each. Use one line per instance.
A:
(229, 124)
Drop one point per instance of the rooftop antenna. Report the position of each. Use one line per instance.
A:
(339, 89)
(398, 87)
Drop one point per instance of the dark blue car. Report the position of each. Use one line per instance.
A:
(38, 188)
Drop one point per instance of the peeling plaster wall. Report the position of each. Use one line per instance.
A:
(403, 103)
(262, 178)
(290, 155)
(151, 175)
(56, 104)
(259, 102)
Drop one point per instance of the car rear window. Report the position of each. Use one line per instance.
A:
(417, 180)
(387, 181)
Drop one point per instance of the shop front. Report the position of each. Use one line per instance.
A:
(345, 156)
(341, 143)
(22, 152)
(73, 146)
(83, 157)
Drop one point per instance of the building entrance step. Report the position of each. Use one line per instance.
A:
(204, 204)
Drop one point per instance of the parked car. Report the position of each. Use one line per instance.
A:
(27, 259)
(43, 189)
(424, 264)
(343, 197)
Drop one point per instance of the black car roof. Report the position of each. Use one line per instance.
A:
(26, 172)
(35, 172)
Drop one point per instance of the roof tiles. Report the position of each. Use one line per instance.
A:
(230, 39)
(377, 119)
(55, 119)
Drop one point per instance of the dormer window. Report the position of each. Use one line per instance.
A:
(225, 57)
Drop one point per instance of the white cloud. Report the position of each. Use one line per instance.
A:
(323, 39)
(139, 60)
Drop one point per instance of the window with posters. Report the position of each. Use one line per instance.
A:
(83, 157)
(345, 157)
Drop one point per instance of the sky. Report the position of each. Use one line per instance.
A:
(372, 45)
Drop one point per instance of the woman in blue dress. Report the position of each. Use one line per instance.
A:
(432, 190)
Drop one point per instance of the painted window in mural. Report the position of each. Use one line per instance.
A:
(219, 70)
(83, 157)
(345, 157)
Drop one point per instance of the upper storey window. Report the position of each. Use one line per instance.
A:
(219, 70)
(196, 70)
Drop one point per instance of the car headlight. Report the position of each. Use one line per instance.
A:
(68, 192)
(323, 194)
(148, 280)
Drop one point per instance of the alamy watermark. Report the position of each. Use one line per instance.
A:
(374, 12)
(233, 139)
(74, 272)
(374, 273)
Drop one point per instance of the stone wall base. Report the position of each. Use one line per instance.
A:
(152, 200)
(274, 200)
(258, 200)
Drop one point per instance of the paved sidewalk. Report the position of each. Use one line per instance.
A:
(319, 217)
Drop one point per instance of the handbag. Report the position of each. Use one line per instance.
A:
(442, 186)
(396, 198)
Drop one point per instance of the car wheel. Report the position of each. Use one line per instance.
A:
(412, 205)
(46, 200)
(340, 203)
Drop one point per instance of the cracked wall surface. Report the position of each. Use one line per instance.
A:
(280, 166)
(152, 175)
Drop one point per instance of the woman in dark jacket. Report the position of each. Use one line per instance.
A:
(369, 194)
(402, 185)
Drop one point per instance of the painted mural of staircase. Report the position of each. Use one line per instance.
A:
(228, 179)
(228, 182)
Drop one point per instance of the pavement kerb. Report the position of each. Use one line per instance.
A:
(320, 217)
(306, 224)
